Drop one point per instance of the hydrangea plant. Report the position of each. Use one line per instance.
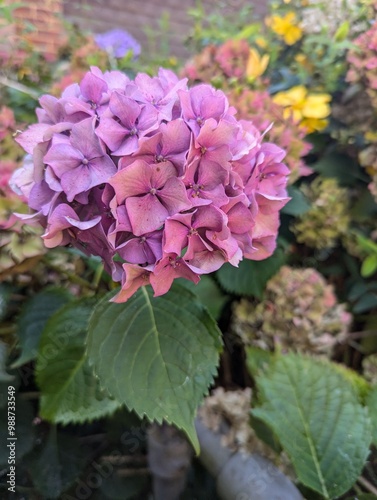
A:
(161, 182)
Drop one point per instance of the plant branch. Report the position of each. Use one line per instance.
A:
(19, 87)
(367, 485)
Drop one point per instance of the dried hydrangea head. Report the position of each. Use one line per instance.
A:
(317, 16)
(368, 160)
(159, 180)
(299, 312)
(363, 63)
(328, 219)
(228, 414)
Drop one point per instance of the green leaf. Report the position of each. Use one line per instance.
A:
(33, 319)
(257, 359)
(315, 413)
(250, 278)
(366, 302)
(372, 406)
(248, 31)
(366, 244)
(298, 204)
(369, 266)
(69, 390)
(4, 376)
(5, 295)
(156, 355)
(341, 166)
(209, 293)
(55, 464)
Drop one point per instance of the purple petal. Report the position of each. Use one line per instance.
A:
(32, 136)
(174, 196)
(92, 88)
(84, 139)
(63, 158)
(126, 109)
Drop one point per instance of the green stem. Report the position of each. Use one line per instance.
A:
(20, 87)
(97, 276)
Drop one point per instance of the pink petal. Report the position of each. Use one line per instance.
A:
(135, 277)
(146, 214)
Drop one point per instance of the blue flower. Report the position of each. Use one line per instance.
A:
(118, 43)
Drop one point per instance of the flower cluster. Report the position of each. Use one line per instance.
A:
(221, 64)
(300, 311)
(151, 173)
(310, 110)
(363, 62)
(118, 43)
(328, 218)
(329, 17)
(285, 27)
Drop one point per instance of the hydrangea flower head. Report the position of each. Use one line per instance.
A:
(299, 311)
(159, 180)
(118, 43)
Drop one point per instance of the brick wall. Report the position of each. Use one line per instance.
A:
(39, 21)
(132, 15)
(135, 15)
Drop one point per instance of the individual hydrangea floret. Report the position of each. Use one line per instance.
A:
(118, 43)
(328, 218)
(299, 312)
(159, 180)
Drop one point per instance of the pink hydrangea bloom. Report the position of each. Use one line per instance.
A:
(154, 174)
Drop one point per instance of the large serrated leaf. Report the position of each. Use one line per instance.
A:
(70, 392)
(156, 355)
(315, 413)
(33, 319)
(250, 278)
(55, 464)
(372, 406)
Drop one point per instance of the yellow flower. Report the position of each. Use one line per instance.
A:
(310, 110)
(256, 65)
(285, 27)
(370, 136)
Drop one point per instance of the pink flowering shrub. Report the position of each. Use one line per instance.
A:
(155, 175)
